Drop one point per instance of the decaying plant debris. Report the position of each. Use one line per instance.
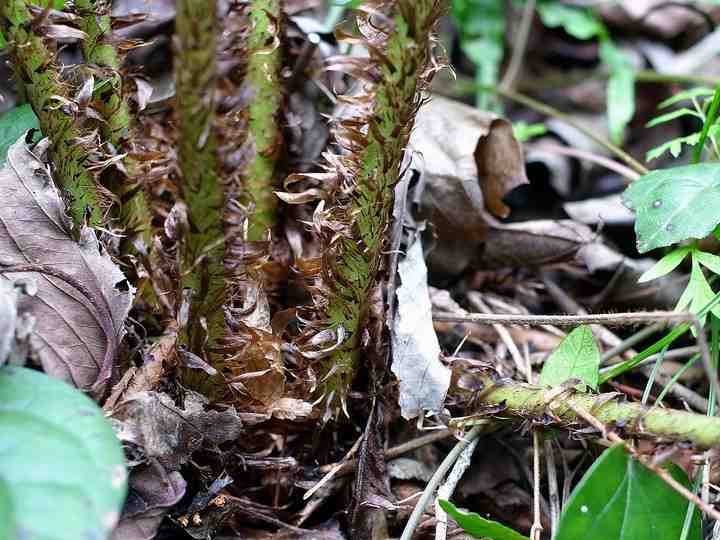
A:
(227, 242)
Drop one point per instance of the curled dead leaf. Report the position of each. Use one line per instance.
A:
(500, 163)
(468, 161)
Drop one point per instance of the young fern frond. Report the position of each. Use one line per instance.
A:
(73, 149)
(249, 145)
(103, 60)
(203, 242)
(353, 222)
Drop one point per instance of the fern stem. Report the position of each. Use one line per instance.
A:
(523, 401)
(358, 255)
(264, 62)
(34, 60)
(100, 53)
(203, 244)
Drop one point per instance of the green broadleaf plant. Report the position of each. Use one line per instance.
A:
(675, 204)
(481, 25)
(577, 357)
(13, 124)
(579, 23)
(62, 471)
(478, 526)
(620, 88)
(583, 24)
(620, 498)
(700, 99)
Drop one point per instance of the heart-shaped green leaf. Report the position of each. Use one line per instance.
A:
(620, 498)
(672, 205)
(577, 357)
(62, 472)
(478, 526)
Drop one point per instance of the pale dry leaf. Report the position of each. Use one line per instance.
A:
(468, 161)
(424, 380)
(153, 491)
(290, 409)
(168, 433)
(79, 315)
(8, 318)
(608, 210)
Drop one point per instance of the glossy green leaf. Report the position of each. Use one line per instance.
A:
(478, 526)
(620, 89)
(13, 124)
(620, 498)
(672, 205)
(666, 265)
(577, 357)
(577, 22)
(8, 527)
(60, 461)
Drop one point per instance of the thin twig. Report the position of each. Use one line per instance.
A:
(566, 303)
(505, 336)
(553, 492)
(608, 163)
(630, 342)
(332, 472)
(349, 466)
(566, 118)
(656, 468)
(448, 488)
(682, 392)
(518, 52)
(615, 319)
(537, 527)
(437, 477)
(674, 354)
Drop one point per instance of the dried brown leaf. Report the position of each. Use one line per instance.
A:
(469, 160)
(169, 433)
(152, 492)
(544, 242)
(500, 165)
(82, 297)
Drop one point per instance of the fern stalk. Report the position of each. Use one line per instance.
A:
(264, 62)
(34, 59)
(203, 243)
(402, 57)
(101, 53)
(520, 401)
